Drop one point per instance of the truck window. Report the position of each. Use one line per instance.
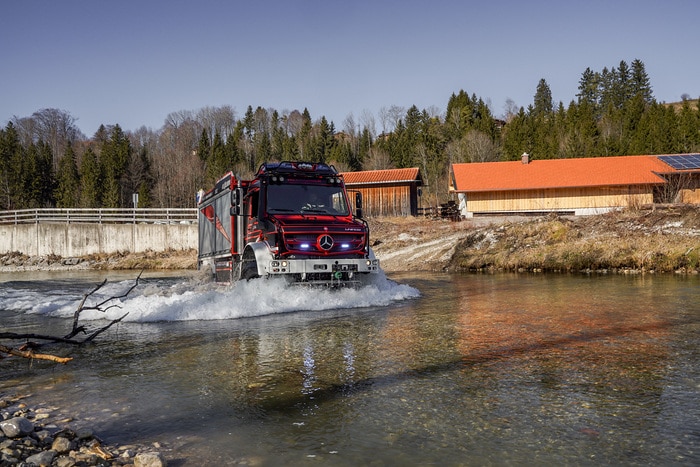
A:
(306, 199)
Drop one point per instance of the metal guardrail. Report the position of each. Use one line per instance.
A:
(101, 216)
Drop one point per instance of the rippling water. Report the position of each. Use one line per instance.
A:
(422, 369)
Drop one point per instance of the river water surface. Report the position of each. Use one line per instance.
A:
(419, 369)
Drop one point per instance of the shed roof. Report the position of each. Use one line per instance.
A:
(387, 176)
(559, 173)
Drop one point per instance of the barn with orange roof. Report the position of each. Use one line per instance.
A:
(390, 192)
(574, 186)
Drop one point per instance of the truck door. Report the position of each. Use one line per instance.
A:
(251, 205)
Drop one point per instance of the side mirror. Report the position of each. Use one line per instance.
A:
(236, 202)
(358, 205)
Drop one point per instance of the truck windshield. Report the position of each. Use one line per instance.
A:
(306, 199)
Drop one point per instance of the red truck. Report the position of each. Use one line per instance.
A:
(292, 220)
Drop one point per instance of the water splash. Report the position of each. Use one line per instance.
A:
(154, 301)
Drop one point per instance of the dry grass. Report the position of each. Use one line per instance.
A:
(643, 240)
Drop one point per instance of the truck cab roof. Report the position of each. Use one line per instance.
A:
(291, 167)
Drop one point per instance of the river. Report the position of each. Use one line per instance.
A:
(420, 368)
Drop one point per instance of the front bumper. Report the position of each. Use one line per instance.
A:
(307, 270)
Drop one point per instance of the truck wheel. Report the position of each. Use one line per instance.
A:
(250, 270)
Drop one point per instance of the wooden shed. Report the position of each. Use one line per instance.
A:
(566, 186)
(390, 192)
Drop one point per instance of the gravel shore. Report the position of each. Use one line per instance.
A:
(42, 436)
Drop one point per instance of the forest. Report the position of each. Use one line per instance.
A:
(46, 161)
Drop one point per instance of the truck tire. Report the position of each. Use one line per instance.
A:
(249, 270)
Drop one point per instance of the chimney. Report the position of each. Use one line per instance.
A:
(525, 158)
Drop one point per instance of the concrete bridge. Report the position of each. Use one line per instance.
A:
(79, 232)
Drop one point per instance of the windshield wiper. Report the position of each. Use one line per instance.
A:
(316, 211)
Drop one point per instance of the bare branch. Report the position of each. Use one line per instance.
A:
(27, 351)
(33, 355)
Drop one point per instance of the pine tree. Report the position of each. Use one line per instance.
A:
(45, 175)
(204, 147)
(588, 88)
(114, 157)
(68, 180)
(543, 104)
(31, 184)
(11, 161)
(233, 142)
(640, 83)
(91, 180)
(219, 163)
(688, 129)
(324, 141)
(303, 138)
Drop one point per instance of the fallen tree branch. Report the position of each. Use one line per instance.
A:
(34, 355)
(27, 351)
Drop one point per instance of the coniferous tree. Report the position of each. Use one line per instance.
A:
(364, 147)
(323, 141)
(219, 163)
(581, 131)
(233, 142)
(137, 178)
(204, 147)
(632, 112)
(91, 181)
(68, 179)
(31, 185)
(624, 84)
(114, 158)
(44, 178)
(688, 128)
(640, 83)
(589, 88)
(543, 104)
(517, 136)
(304, 136)
(11, 161)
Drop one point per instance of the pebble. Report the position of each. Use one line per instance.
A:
(29, 437)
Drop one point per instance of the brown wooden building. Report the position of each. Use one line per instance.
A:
(391, 192)
(574, 186)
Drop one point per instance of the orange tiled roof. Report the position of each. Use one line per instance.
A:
(559, 173)
(368, 177)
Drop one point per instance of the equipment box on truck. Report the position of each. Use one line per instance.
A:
(293, 219)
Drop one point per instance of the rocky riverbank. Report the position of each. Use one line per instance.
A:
(42, 436)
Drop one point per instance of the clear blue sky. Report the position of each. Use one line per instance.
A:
(134, 62)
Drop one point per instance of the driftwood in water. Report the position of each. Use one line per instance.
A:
(27, 350)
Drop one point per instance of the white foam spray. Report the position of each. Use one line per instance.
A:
(185, 300)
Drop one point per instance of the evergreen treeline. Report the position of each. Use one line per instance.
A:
(45, 161)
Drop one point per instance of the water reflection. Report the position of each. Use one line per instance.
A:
(487, 370)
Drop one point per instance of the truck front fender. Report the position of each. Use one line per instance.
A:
(262, 255)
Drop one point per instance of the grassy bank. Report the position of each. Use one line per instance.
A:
(658, 240)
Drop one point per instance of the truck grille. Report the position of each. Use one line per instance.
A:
(323, 244)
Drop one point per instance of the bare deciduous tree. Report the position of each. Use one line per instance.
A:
(390, 117)
(54, 126)
(378, 160)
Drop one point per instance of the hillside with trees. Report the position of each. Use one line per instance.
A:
(46, 161)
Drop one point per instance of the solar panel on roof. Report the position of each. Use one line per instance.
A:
(682, 162)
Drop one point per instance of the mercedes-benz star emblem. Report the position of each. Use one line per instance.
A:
(325, 242)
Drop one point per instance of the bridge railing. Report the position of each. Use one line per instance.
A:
(100, 216)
